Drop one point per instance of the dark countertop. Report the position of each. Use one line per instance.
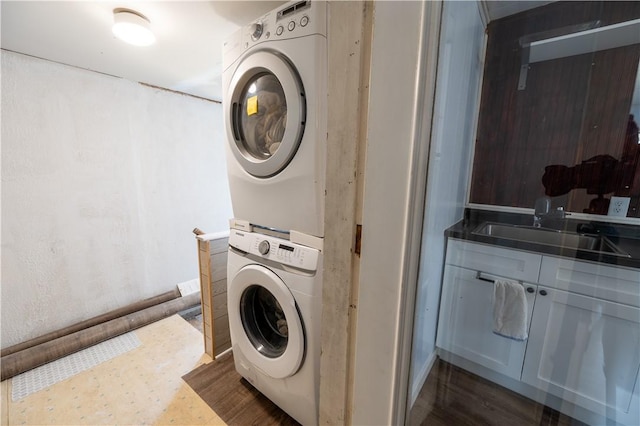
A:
(626, 237)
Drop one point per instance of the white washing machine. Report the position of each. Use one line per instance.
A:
(274, 105)
(274, 298)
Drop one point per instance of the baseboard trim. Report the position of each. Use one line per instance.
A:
(223, 353)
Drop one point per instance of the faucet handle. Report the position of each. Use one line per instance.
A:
(560, 213)
(542, 205)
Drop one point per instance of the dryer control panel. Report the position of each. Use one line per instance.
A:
(293, 20)
(275, 249)
(290, 21)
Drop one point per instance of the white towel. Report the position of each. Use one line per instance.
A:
(509, 310)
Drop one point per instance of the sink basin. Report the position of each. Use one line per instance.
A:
(550, 237)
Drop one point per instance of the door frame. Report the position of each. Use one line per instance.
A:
(395, 174)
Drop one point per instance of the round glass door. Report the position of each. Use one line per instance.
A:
(262, 116)
(265, 324)
(264, 321)
(266, 113)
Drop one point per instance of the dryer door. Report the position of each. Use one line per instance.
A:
(265, 114)
(265, 322)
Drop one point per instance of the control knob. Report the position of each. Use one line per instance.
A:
(256, 30)
(264, 247)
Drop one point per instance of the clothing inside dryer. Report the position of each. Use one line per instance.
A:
(264, 321)
(262, 117)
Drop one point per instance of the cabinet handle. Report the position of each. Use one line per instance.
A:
(530, 290)
(488, 278)
(543, 292)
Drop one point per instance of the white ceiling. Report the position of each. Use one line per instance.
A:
(186, 57)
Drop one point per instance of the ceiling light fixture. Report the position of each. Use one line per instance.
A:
(132, 27)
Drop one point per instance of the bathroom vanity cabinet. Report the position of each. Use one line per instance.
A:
(465, 325)
(584, 329)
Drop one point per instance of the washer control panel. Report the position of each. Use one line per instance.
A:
(275, 249)
(264, 247)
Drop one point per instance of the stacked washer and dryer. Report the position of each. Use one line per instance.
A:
(274, 103)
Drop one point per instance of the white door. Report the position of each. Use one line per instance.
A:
(586, 351)
(264, 321)
(465, 327)
(265, 114)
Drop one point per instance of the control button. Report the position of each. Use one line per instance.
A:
(291, 26)
(256, 31)
(264, 247)
(304, 21)
(279, 30)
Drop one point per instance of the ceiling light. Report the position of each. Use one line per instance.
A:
(132, 27)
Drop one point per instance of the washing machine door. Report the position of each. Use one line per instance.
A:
(265, 113)
(265, 322)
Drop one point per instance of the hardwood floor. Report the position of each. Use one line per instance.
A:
(453, 396)
(232, 397)
(450, 396)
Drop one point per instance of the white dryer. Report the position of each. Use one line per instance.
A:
(274, 299)
(274, 105)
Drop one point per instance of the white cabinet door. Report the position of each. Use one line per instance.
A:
(466, 323)
(586, 351)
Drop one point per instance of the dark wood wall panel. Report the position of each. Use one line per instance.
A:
(572, 108)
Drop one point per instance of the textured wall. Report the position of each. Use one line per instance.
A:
(103, 180)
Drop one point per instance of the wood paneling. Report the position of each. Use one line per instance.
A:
(232, 397)
(571, 110)
(453, 396)
(212, 256)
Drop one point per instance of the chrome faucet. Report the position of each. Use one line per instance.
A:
(542, 209)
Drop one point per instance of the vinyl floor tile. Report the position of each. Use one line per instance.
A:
(4, 407)
(140, 387)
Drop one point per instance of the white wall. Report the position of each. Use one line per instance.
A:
(395, 64)
(103, 180)
(457, 90)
